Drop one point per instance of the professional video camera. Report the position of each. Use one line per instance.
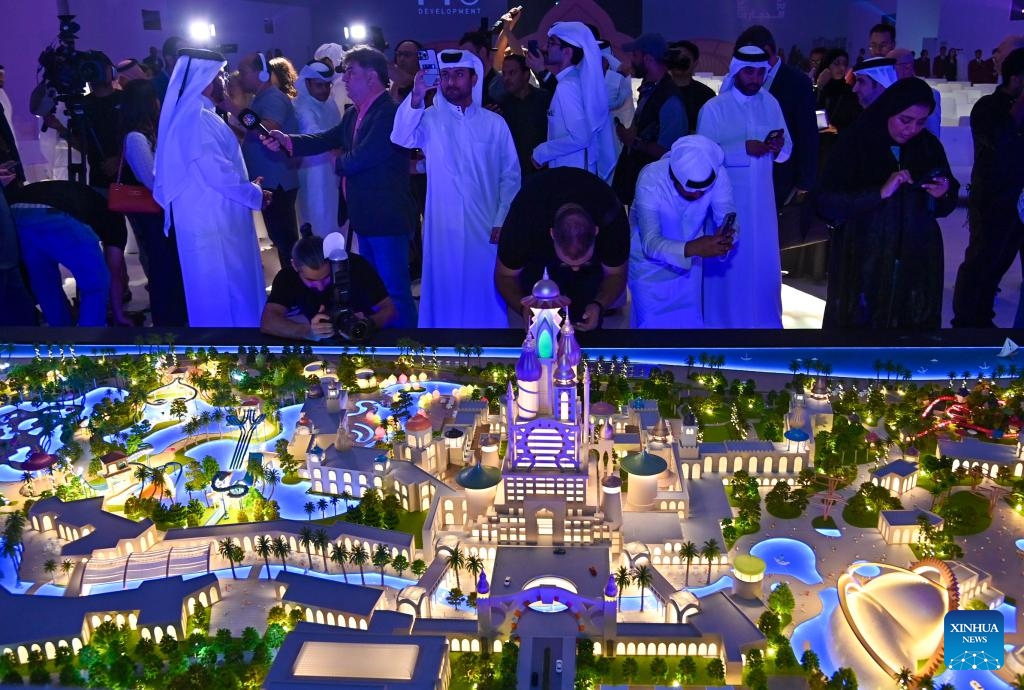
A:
(346, 323)
(67, 70)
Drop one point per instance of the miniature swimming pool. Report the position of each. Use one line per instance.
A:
(814, 633)
(784, 556)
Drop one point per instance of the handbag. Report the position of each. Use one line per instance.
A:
(130, 198)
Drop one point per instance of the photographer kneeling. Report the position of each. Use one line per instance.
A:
(300, 301)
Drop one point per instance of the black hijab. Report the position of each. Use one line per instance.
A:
(894, 100)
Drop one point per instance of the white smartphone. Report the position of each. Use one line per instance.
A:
(429, 66)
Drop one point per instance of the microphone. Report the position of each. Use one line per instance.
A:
(251, 121)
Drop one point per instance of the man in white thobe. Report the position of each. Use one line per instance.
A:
(317, 202)
(677, 198)
(745, 290)
(202, 183)
(335, 55)
(619, 89)
(579, 128)
(472, 176)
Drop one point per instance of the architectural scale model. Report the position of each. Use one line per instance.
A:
(189, 518)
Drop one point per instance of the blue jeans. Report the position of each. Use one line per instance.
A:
(49, 238)
(389, 254)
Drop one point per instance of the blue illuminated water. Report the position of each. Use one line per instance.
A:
(1009, 616)
(784, 556)
(7, 577)
(961, 679)
(828, 532)
(814, 633)
(632, 603)
(372, 575)
(724, 582)
(868, 570)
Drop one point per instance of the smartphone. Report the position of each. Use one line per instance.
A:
(730, 220)
(429, 66)
(774, 134)
(533, 47)
(930, 178)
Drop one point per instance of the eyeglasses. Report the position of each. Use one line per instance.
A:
(555, 43)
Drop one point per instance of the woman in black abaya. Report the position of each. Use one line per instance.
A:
(884, 185)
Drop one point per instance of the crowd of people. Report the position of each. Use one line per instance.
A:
(510, 164)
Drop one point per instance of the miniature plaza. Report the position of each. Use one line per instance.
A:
(549, 515)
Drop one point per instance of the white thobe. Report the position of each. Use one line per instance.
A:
(745, 290)
(665, 284)
(472, 176)
(317, 203)
(213, 222)
(570, 143)
(619, 89)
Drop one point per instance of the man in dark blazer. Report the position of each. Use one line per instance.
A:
(374, 173)
(792, 89)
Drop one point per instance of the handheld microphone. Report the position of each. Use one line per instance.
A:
(251, 121)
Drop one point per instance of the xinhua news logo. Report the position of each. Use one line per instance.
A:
(973, 640)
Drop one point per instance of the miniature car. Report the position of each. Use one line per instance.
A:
(508, 581)
(975, 685)
(558, 666)
(559, 550)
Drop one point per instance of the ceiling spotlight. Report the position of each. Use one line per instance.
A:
(200, 30)
(355, 32)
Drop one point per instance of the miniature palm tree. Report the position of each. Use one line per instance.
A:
(271, 477)
(50, 567)
(282, 549)
(340, 555)
(623, 578)
(66, 566)
(358, 556)
(228, 549)
(709, 552)
(642, 576)
(306, 541)
(688, 553)
(141, 474)
(321, 541)
(381, 559)
(475, 566)
(904, 678)
(322, 505)
(456, 561)
(309, 507)
(334, 504)
(264, 548)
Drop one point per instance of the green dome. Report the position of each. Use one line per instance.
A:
(748, 565)
(478, 477)
(643, 464)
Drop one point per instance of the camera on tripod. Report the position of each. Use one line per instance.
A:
(346, 323)
(67, 70)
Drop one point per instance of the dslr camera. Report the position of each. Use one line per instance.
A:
(346, 323)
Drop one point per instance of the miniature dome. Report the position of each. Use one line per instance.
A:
(643, 464)
(748, 565)
(608, 432)
(612, 482)
(528, 366)
(482, 586)
(545, 288)
(568, 345)
(603, 409)
(419, 422)
(610, 589)
(478, 477)
(564, 375)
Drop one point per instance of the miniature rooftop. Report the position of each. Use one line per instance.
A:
(107, 529)
(329, 594)
(904, 518)
(975, 449)
(650, 527)
(526, 563)
(159, 602)
(324, 656)
(902, 468)
(736, 446)
(334, 531)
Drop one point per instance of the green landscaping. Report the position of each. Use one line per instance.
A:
(965, 513)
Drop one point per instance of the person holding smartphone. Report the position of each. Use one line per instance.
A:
(683, 213)
(884, 186)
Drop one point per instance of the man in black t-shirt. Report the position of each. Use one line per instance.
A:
(299, 296)
(569, 222)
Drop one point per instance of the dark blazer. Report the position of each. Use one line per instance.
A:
(792, 89)
(376, 172)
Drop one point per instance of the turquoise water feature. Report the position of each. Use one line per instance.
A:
(784, 556)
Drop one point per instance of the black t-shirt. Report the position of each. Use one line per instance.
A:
(695, 95)
(527, 119)
(526, 242)
(82, 203)
(366, 291)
